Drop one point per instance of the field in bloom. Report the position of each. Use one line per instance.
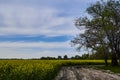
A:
(37, 69)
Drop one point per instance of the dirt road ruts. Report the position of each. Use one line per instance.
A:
(84, 73)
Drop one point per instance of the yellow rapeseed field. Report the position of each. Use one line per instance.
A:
(37, 69)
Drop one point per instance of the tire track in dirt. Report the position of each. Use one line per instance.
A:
(77, 75)
(66, 74)
(84, 73)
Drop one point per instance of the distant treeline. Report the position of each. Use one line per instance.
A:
(78, 57)
(65, 57)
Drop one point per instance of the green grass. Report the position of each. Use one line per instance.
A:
(115, 69)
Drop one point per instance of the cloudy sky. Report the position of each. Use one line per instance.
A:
(35, 28)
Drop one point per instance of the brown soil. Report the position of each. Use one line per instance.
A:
(84, 73)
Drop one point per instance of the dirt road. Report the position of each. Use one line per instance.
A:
(83, 73)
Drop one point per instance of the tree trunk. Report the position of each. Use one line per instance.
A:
(119, 58)
(106, 63)
(105, 58)
(114, 60)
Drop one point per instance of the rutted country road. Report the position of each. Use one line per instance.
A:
(84, 73)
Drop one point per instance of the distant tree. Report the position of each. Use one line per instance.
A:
(65, 57)
(48, 58)
(77, 57)
(59, 57)
(42, 58)
(85, 56)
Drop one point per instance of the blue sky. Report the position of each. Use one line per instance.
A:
(35, 28)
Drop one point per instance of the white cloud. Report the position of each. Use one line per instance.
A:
(35, 49)
(9, 53)
(44, 45)
(30, 21)
(39, 17)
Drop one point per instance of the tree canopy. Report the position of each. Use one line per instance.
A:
(102, 29)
